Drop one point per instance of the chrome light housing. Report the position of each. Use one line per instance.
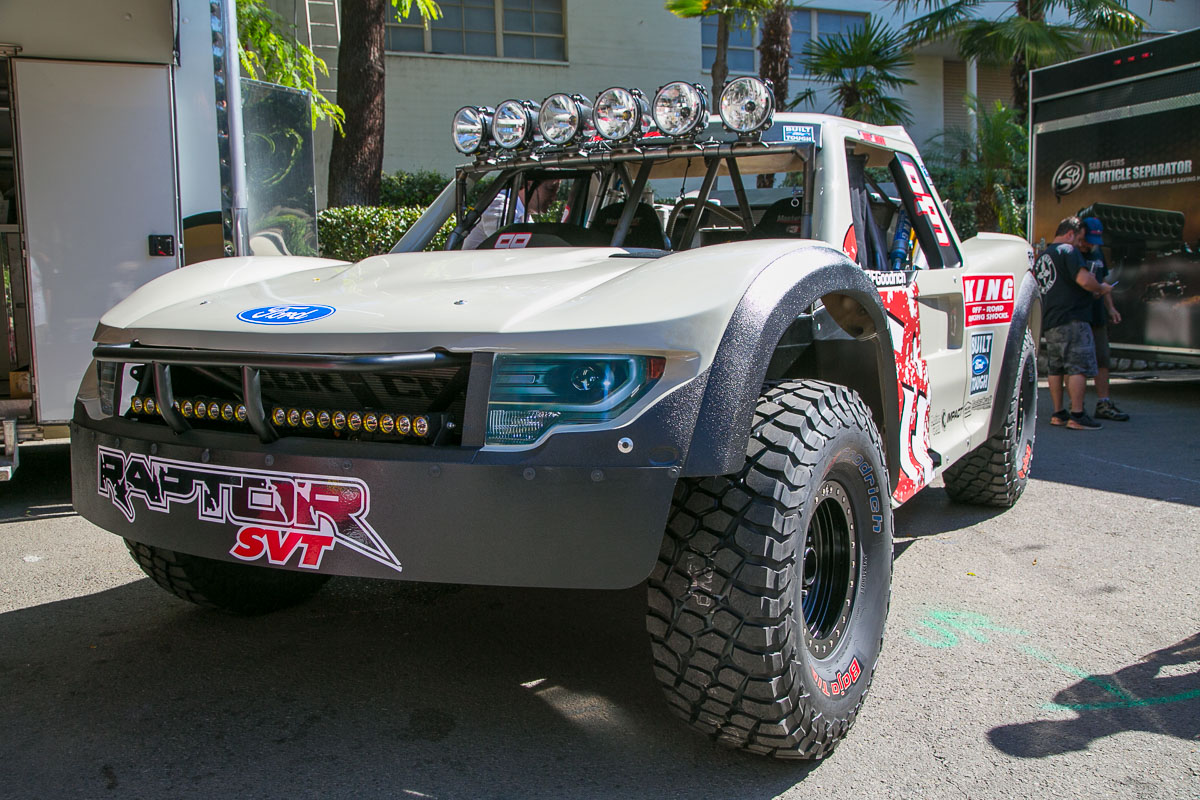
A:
(747, 105)
(513, 125)
(621, 113)
(471, 128)
(563, 118)
(681, 109)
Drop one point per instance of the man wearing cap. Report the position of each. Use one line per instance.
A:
(1067, 289)
(1103, 312)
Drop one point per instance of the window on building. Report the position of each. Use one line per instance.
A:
(528, 29)
(807, 25)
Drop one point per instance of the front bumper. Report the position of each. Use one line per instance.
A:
(457, 515)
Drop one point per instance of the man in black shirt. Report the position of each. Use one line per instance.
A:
(1068, 289)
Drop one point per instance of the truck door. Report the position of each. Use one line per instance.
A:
(101, 212)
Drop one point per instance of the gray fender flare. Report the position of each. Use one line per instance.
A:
(785, 289)
(1027, 306)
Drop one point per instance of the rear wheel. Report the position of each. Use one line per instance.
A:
(995, 473)
(768, 601)
(242, 589)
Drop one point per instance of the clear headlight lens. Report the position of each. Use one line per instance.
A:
(531, 394)
(512, 127)
(747, 105)
(680, 109)
(470, 128)
(563, 117)
(621, 113)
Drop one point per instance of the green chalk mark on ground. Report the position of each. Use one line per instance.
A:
(1149, 701)
(1112, 689)
(945, 623)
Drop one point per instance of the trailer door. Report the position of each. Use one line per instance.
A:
(98, 179)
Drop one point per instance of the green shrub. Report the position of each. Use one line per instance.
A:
(352, 233)
(410, 189)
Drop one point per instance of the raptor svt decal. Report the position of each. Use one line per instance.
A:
(282, 517)
(912, 375)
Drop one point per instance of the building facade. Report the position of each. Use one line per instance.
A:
(485, 51)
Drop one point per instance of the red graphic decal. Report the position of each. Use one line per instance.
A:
(841, 683)
(854, 671)
(508, 241)
(850, 244)
(912, 374)
(988, 299)
(1024, 470)
(253, 543)
(925, 205)
(873, 138)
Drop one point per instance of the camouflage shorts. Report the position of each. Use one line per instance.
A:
(1071, 350)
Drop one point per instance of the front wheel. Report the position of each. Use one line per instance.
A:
(243, 589)
(768, 601)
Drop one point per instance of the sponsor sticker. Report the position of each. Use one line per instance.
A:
(981, 362)
(508, 241)
(282, 518)
(873, 138)
(888, 278)
(841, 683)
(284, 315)
(988, 299)
(803, 134)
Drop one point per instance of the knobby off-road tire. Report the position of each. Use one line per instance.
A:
(768, 601)
(995, 473)
(242, 589)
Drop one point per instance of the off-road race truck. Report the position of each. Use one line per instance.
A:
(732, 349)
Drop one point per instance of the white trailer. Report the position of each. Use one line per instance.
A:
(122, 157)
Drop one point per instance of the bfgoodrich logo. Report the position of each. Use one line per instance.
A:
(1068, 177)
(284, 315)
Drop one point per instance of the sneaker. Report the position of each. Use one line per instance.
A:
(1059, 417)
(1082, 422)
(1107, 409)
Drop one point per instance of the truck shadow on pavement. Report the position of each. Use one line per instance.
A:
(41, 487)
(1131, 699)
(373, 689)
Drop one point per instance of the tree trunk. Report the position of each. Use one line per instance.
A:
(720, 66)
(1035, 11)
(356, 160)
(775, 60)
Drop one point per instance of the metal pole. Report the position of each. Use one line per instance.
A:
(230, 141)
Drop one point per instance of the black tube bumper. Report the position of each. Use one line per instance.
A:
(404, 512)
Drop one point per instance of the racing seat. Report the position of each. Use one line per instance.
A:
(783, 219)
(543, 234)
(645, 230)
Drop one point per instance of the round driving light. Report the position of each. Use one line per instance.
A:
(470, 128)
(563, 117)
(403, 425)
(513, 125)
(680, 109)
(149, 405)
(279, 416)
(308, 418)
(186, 408)
(370, 422)
(136, 404)
(323, 419)
(621, 113)
(354, 421)
(240, 413)
(420, 426)
(387, 423)
(747, 105)
(339, 420)
(227, 412)
(214, 410)
(293, 417)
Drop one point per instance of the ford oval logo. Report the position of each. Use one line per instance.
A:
(284, 315)
(979, 365)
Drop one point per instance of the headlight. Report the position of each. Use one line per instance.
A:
(747, 105)
(680, 109)
(621, 113)
(531, 394)
(512, 127)
(470, 129)
(562, 118)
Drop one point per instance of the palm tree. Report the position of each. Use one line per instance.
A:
(862, 67)
(1021, 36)
(728, 12)
(775, 60)
(356, 159)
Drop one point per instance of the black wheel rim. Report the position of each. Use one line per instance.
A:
(829, 570)
(1027, 391)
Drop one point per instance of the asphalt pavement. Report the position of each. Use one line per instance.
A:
(1052, 650)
